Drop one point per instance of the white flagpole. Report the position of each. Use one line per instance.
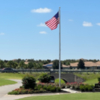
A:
(59, 48)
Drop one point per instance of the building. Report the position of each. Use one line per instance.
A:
(87, 64)
(49, 66)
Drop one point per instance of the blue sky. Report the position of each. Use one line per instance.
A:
(24, 35)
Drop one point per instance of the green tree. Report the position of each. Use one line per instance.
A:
(30, 66)
(56, 64)
(21, 64)
(1, 64)
(45, 78)
(10, 64)
(81, 64)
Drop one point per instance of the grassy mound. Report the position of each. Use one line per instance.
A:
(90, 78)
(57, 81)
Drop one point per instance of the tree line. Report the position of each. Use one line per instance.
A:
(38, 64)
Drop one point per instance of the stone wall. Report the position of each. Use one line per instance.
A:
(67, 77)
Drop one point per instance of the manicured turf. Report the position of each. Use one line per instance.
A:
(11, 75)
(6, 82)
(5, 76)
(90, 78)
(17, 75)
(76, 96)
(57, 81)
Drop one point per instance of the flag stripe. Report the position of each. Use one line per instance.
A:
(53, 22)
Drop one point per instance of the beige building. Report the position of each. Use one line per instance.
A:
(49, 66)
(87, 64)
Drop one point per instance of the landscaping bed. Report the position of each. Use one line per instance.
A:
(39, 88)
(80, 87)
(30, 86)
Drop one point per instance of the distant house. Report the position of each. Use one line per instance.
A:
(87, 64)
(50, 66)
(26, 62)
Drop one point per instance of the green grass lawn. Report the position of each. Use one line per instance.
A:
(5, 76)
(11, 75)
(90, 78)
(76, 96)
(57, 81)
(6, 82)
(17, 75)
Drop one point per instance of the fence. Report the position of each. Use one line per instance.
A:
(57, 70)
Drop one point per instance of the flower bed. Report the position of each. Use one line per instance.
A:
(80, 86)
(39, 88)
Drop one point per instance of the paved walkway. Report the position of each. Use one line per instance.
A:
(70, 90)
(7, 88)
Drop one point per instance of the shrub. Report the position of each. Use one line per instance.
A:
(63, 85)
(86, 87)
(90, 88)
(81, 87)
(77, 87)
(98, 79)
(53, 89)
(14, 92)
(45, 78)
(58, 89)
(38, 87)
(29, 82)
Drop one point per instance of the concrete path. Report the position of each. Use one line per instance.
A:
(7, 88)
(70, 90)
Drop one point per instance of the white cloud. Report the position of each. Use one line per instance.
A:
(2, 33)
(87, 24)
(43, 32)
(98, 24)
(41, 10)
(42, 25)
(70, 20)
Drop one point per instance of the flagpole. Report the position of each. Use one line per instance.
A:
(59, 49)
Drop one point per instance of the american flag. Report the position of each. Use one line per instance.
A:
(53, 22)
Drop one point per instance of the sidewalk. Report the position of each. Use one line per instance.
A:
(70, 90)
(5, 89)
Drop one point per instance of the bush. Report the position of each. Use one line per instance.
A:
(14, 92)
(53, 89)
(90, 88)
(98, 79)
(45, 78)
(21, 91)
(29, 82)
(58, 89)
(81, 87)
(86, 87)
(63, 85)
(77, 87)
(38, 87)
